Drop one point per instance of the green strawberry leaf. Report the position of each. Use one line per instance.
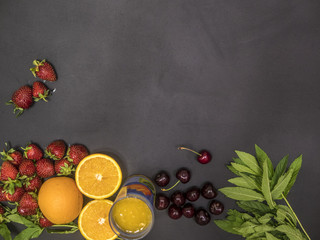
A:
(21, 220)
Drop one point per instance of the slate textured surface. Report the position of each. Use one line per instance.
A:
(139, 78)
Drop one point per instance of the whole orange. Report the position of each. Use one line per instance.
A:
(60, 200)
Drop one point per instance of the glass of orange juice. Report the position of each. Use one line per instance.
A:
(132, 215)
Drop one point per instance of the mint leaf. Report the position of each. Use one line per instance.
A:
(271, 237)
(232, 169)
(250, 161)
(254, 207)
(241, 182)
(280, 169)
(262, 157)
(266, 186)
(19, 219)
(29, 233)
(240, 193)
(295, 166)
(228, 226)
(289, 214)
(251, 181)
(5, 232)
(292, 233)
(281, 185)
(242, 168)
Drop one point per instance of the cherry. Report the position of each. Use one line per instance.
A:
(216, 207)
(208, 191)
(174, 211)
(188, 210)
(193, 194)
(203, 157)
(183, 175)
(202, 217)
(162, 179)
(162, 201)
(178, 198)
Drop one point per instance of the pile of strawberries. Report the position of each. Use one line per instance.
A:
(25, 96)
(22, 174)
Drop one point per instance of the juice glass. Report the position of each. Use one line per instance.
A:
(132, 215)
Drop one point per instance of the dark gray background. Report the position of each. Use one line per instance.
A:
(139, 78)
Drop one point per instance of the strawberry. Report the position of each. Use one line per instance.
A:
(27, 168)
(8, 171)
(23, 211)
(43, 70)
(63, 167)
(56, 150)
(76, 153)
(2, 195)
(28, 201)
(40, 91)
(33, 184)
(44, 222)
(16, 196)
(45, 168)
(12, 155)
(22, 99)
(33, 152)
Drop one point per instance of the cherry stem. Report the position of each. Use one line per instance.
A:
(168, 189)
(183, 148)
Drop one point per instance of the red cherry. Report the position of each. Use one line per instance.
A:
(203, 157)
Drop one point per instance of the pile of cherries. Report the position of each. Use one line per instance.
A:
(181, 202)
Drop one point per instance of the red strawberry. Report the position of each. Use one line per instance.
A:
(16, 196)
(33, 152)
(27, 168)
(8, 171)
(76, 153)
(63, 167)
(43, 70)
(23, 211)
(45, 168)
(2, 195)
(56, 150)
(28, 201)
(44, 222)
(40, 91)
(33, 185)
(12, 155)
(22, 99)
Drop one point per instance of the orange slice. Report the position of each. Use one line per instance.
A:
(93, 221)
(98, 176)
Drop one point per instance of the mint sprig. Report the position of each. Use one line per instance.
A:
(258, 188)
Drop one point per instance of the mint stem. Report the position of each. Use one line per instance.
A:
(295, 216)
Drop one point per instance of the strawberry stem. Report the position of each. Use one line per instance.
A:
(183, 148)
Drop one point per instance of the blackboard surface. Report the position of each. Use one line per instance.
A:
(139, 78)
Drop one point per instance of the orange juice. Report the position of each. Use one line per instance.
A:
(132, 215)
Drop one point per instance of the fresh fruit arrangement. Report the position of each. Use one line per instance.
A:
(25, 96)
(258, 187)
(182, 201)
(28, 197)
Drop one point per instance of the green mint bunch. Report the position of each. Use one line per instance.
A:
(258, 189)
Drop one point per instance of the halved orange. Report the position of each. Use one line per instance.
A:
(93, 221)
(98, 176)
